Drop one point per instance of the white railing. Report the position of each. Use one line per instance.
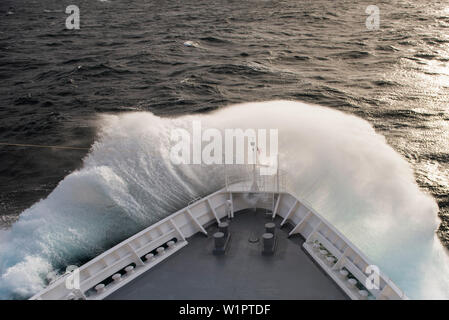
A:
(341, 259)
(123, 263)
(111, 270)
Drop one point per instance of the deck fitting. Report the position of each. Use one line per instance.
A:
(269, 242)
(221, 242)
(270, 227)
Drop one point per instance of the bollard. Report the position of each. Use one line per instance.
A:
(331, 260)
(129, 270)
(224, 228)
(268, 240)
(117, 277)
(270, 227)
(323, 252)
(344, 273)
(71, 296)
(99, 288)
(268, 243)
(171, 244)
(363, 294)
(149, 257)
(219, 238)
(220, 241)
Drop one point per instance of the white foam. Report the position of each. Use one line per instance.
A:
(336, 161)
(26, 277)
(191, 44)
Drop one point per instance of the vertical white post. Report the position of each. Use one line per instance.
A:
(277, 173)
(226, 173)
(254, 187)
(232, 205)
(276, 206)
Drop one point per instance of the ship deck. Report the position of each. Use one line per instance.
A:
(241, 273)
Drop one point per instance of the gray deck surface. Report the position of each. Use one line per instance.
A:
(242, 273)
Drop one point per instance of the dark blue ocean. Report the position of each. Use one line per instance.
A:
(182, 57)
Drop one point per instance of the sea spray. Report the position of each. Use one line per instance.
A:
(335, 161)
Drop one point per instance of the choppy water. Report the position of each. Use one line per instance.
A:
(132, 56)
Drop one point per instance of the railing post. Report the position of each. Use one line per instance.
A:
(195, 220)
(177, 229)
(339, 262)
(213, 210)
(277, 205)
(138, 261)
(231, 205)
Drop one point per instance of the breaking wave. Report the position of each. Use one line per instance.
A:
(335, 161)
